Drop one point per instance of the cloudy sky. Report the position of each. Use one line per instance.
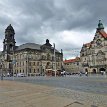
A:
(67, 23)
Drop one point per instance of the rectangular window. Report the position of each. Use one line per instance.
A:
(37, 63)
(29, 70)
(34, 70)
(29, 63)
(23, 63)
(17, 64)
(38, 70)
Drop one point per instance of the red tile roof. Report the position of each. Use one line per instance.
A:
(103, 33)
(72, 60)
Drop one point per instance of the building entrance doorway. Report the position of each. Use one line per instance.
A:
(86, 70)
(94, 71)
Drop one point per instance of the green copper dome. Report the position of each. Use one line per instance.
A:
(100, 25)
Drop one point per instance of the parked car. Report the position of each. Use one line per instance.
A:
(21, 75)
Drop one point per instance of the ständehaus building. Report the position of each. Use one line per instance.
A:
(94, 54)
(29, 58)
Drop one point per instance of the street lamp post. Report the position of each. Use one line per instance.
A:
(41, 69)
(27, 68)
(2, 67)
(13, 62)
(1, 70)
(54, 60)
(28, 56)
(27, 64)
(2, 75)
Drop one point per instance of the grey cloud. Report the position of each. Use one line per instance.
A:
(37, 20)
(70, 14)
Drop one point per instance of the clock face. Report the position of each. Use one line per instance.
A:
(98, 42)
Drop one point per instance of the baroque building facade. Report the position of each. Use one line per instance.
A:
(93, 55)
(72, 66)
(29, 58)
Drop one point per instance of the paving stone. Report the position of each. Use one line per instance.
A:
(16, 94)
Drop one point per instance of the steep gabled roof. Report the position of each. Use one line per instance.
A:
(103, 33)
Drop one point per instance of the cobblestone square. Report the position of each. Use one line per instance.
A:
(19, 94)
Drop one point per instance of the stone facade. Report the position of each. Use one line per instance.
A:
(93, 55)
(72, 65)
(29, 58)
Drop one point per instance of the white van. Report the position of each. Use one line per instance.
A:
(20, 75)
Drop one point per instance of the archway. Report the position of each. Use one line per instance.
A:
(86, 70)
(94, 71)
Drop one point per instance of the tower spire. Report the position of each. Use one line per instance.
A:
(100, 25)
(9, 41)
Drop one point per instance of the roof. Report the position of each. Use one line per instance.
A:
(9, 28)
(29, 45)
(72, 60)
(103, 33)
(100, 29)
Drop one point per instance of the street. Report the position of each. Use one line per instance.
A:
(90, 84)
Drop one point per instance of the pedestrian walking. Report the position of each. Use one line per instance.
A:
(86, 73)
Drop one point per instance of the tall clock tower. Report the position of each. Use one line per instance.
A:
(8, 49)
(9, 41)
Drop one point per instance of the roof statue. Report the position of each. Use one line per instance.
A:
(47, 43)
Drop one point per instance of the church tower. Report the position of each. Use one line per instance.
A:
(9, 41)
(100, 26)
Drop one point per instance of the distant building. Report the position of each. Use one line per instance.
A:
(93, 55)
(28, 58)
(72, 65)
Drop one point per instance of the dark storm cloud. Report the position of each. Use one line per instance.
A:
(37, 20)
(59, 14)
